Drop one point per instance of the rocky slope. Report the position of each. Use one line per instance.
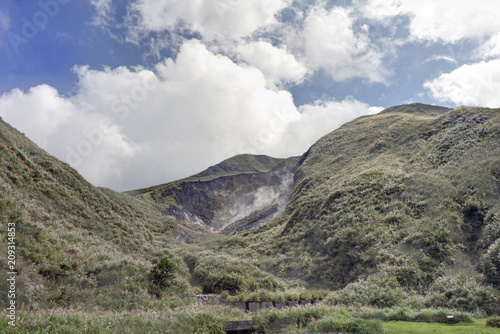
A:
(241, 193)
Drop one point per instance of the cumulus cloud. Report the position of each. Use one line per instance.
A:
(86, 139)
(322, 117)
(318, 39)
(475, 84)
(231, 19)
(452, 22)
(39, 112)
(489, 49)
(446, 21)
(327, 42)
(275, 63)
(130, 127)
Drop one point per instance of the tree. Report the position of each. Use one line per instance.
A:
(162, 274)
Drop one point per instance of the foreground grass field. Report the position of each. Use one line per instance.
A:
(478, 327)
(190, 319)
(196, 321)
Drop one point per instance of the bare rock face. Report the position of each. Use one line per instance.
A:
(233, 203)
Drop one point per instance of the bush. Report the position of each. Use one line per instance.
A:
(464, 293)
(209, 324)
(490, 265)
(218, 273)
(162, 274)
(313, 319)
(270, 321)
(493, 322)
(377, 291)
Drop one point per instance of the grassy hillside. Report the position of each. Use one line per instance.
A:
(403, 203)
(79, 247)
(76, 245)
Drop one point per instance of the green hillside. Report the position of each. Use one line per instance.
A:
(75, 244)
(85, 249)
(403, 203)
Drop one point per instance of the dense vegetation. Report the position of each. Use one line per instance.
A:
(400, 207)
(391, 215)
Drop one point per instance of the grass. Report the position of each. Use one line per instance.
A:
(402, 327)
(193, 319)
(312, 319)
(201, 319)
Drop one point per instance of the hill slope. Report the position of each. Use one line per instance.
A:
(406, 198)
(79, 247)
(75, 243)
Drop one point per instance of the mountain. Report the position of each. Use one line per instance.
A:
(406, 200)
(241, 193)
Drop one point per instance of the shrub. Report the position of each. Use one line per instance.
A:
(493, 322)
(162, 274)
(218, 273)
(275, 321)
(464, 293)
(490, 265)
(377, 291)
(208, 323)
(399, 314)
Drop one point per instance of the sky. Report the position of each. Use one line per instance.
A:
(141, 92)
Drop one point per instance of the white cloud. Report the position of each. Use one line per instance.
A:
(489, 49)
(441, 57)
(128, 128)
(327, 42)
(323, 39)
(475, 84)
(4, 26)
(275, 63)
(448, 21)
(39, 112)
(323, 117)
(232, 19)
(88, 140)
(103, 12)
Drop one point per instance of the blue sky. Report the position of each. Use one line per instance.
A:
(140, 92)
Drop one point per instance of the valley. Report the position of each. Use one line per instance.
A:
(394, 214)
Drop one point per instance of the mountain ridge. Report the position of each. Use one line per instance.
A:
(242, 192)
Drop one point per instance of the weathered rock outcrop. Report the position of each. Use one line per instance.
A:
(228, 203)
(233, 203)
